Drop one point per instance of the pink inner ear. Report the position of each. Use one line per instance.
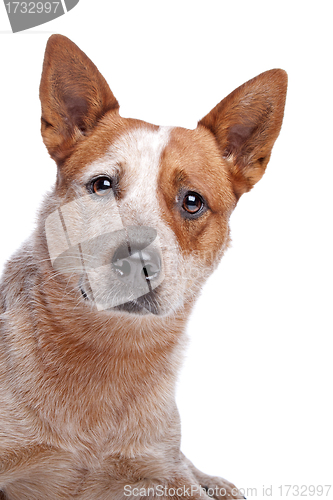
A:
(237, 136)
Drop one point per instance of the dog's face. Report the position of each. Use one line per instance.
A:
(140, 213)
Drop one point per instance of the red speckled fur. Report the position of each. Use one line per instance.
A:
(87, 400)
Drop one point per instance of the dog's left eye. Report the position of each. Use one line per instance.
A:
(192, 203)
(101, 186)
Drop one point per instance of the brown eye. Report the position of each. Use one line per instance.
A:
(192, 203)
(102, 186)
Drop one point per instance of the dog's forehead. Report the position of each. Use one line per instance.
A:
(136, 152)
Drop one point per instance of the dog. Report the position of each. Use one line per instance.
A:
(94, 306)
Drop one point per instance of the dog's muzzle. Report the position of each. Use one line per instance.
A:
(119, 269)
(116, 264)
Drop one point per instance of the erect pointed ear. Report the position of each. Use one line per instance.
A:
(74, 96)
(246, 125)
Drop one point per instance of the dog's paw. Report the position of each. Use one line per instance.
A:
(215, 487)
(218, 487)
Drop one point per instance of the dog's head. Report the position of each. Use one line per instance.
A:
(141, 212)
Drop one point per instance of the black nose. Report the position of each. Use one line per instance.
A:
(135, 263)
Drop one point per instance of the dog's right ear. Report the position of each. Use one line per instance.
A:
(246, 124)
(74, 96)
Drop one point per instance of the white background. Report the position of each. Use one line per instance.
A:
(255, 394)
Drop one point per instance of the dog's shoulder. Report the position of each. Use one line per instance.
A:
(18, 277)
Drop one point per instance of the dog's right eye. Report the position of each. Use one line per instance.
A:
(101, 186)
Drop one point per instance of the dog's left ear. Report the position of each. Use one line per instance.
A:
(246, 125)
(74, 97)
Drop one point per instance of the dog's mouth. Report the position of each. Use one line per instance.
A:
(146, 304)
